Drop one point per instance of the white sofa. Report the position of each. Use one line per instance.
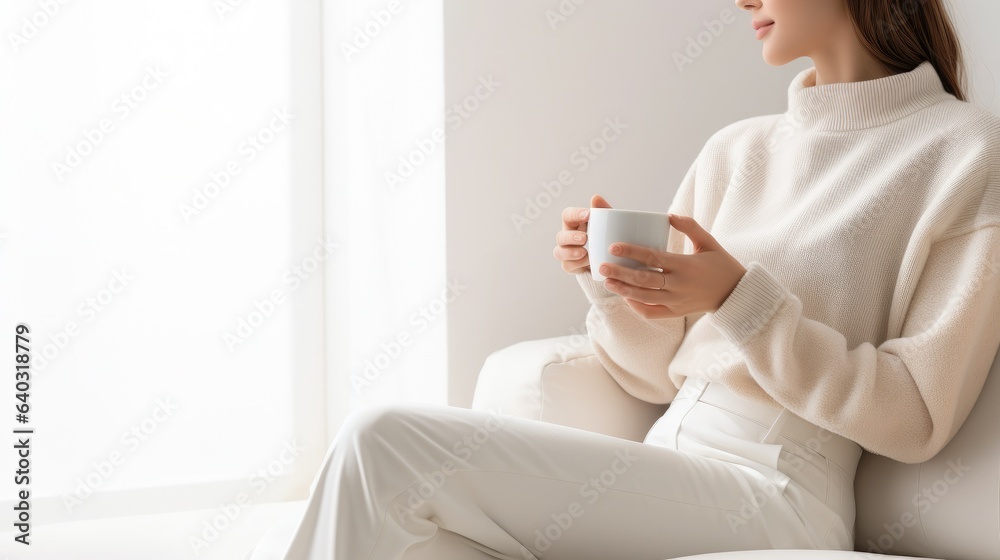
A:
(559, 380)
(946, 508)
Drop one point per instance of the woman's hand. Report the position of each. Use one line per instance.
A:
(569, 241)
(699, 282)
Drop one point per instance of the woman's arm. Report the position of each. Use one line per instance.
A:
(636, 351)
(905, 398)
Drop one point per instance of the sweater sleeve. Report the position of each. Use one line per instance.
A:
(636, 351)
(905, 398)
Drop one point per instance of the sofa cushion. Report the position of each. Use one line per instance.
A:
(794, 555)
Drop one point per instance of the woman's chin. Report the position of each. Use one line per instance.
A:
(776, 57)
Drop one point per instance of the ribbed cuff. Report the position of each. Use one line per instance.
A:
(593, 289)
(750, 306)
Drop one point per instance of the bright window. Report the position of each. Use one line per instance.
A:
(161, 205)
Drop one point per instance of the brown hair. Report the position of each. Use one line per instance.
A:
(901, 34)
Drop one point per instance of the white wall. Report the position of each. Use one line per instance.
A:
(558, 86)
(976, 21)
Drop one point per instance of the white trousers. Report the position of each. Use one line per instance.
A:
(420, 482)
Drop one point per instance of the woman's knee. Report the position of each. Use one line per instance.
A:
(379, 421)
(418, 431)
(368, 436)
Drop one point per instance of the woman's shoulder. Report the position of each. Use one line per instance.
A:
(965, 143)
(963, 124)
(961, 146)
(969, 110)
(968, 124)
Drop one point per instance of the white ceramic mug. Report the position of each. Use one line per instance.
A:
(610, 225)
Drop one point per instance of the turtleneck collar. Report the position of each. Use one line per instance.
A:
(857, 105)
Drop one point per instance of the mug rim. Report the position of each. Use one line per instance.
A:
(627, 211)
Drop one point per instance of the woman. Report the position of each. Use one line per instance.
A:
(831, 284)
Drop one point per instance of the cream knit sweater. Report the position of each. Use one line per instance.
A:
(868, 219)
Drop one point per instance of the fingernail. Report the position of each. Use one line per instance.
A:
(584, 214)
(578, 237)
(616, 249)
(605, 269)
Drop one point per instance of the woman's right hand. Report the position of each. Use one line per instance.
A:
(569, 248)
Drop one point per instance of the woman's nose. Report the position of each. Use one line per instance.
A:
(747, 4)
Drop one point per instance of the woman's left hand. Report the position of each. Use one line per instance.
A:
(699, 282)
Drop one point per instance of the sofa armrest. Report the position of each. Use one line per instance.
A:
(947, 507)
(560, 380)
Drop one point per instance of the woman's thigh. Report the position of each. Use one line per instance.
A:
(521, 489)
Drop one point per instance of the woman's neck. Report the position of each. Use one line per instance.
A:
(846, 62)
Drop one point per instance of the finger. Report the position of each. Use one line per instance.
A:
(700, 239)
(631, 291)
(649, 279)
(646, 255)
(598, 201)
(573, 217)
(570, 237)
(652, 311)
(569, 253)
(575, 267)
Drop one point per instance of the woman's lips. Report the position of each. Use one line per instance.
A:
(761, 31)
